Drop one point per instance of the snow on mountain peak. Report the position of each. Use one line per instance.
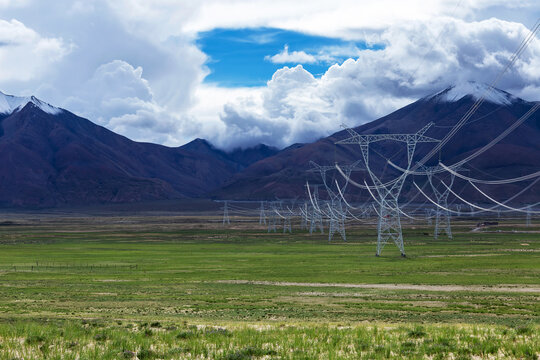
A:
(477, 91)
(10, 104)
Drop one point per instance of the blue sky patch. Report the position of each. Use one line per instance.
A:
(244, 57)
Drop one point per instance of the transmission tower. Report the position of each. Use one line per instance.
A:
(442, 216)
(528, 219)
(304, 216)
(428, 216)
(287, 226)
(226, 219)
(335, 210)
(315, 221)
(272, 219)
(275, 217)
(262, 215)
(389, 225)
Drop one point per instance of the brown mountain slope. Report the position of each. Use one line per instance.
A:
(284, 175)
(60, 159)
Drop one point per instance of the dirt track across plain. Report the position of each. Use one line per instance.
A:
(443, 288)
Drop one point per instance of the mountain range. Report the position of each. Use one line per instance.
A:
(49, 157)
(284, 175)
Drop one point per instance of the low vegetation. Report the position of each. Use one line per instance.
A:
(84, 289)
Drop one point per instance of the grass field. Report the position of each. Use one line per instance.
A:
(177, 288)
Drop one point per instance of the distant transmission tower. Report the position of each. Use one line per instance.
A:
(287, 226)
(335, 210)
(273, 219)
(315, 216)
(304, 216)
(262, 214)
(389, 226)
(442, 216)
(226, 219)
(428, 216)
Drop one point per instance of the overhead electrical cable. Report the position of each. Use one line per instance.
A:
(501, 204)
(492, 182)
(480, 100)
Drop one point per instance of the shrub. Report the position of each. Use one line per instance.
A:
(129, 354)
(146, 354)
(35, 339)
(524, 330)
(248, 353)
(100, 337)
(417, 332)
(185, 335)
(218, 331)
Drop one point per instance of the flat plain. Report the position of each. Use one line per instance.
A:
(183, 287)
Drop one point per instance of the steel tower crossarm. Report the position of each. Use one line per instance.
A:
(362, 139)
(410, 139)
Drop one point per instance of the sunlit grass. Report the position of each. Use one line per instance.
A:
(152, 293)
(99, 340)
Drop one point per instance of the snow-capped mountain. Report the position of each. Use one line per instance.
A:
(50, 157)
(476, 91)
(10, 104)
(284, 175)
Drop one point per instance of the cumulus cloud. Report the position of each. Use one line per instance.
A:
(99, 73)
(133, 65)
(119, 97)
(327, 55)
(25, 54)
(298, 107)
(285, 57)
(348, 19)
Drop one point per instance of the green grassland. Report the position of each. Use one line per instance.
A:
(178, 288)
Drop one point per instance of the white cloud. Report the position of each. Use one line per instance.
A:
(326, 54)
(286, 57)
(132, 65)
(25, 54)
(344, 18)
(350, 19)
(101, 76)
(13, 3)
(118, 97)
(298, 107)
(155, 19)
(81, 7)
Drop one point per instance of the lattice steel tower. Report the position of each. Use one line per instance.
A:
(262, 214)
(336, 211)
(442, 216)
(226, 219)
(389, 225)
(316, 220)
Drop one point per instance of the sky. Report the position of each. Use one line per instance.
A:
(243, 72)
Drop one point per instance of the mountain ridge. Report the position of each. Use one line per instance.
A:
(60, 159)
(56, 158)
(284, 175)
(10, 104)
